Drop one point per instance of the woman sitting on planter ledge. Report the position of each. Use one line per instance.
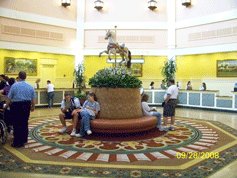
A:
(89, 111)
(147, 111)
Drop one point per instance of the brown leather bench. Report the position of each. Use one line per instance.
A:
(123, 125)
(140, 124)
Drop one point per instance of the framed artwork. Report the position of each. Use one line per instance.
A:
(227, 68)
(136, 69)
(13, 66)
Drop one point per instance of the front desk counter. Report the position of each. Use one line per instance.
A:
(189, 98)
(209, 99)
(41, 95)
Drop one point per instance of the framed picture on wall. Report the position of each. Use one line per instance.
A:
(136, 69)
(227, 68)
(12, 66)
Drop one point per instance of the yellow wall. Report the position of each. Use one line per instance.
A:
(151, 68)
(197, 68)
(63, 66)
(92, 64)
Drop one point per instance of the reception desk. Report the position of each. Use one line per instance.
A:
(41, 95)
(197, 99)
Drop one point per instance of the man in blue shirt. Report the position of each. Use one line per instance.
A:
(22, 98)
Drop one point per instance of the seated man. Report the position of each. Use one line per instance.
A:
(67, 106)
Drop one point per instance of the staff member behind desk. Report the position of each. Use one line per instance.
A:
(50, 91)
(22, 97)
(170, 104)
(68, 105)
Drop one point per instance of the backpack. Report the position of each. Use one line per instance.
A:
(73, 105)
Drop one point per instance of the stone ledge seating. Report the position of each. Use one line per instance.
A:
(120, 117)
(133, 125)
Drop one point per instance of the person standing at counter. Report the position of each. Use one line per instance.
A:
(203, 87)
(178, 85)
(37, 83)
(170, 100)
(162, 85)
(189, 86)
(152, 85)
(50, 92)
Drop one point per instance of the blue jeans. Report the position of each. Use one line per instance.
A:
(158, 115)
(50, 99)
(85, 122)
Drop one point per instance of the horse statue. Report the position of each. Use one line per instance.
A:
(114, 48)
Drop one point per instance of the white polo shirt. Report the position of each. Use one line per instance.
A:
(50, 87)
(173, 91)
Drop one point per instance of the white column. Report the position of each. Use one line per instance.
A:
(79, 45)
(171, 28)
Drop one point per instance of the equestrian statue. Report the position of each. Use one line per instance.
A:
(114, 48)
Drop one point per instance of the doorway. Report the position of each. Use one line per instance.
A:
(47, 73)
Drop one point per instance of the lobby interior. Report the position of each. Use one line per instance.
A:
(201, 37)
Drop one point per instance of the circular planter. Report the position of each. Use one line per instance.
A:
(119, 103)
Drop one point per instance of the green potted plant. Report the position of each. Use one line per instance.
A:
(80, 81)
(169, 70)
(119, 77)
(117, 92)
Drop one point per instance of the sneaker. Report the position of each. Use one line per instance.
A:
(73, 133)
(78, 135)
(62, 130)
(160, 128)
(171, 128)
(88, 132)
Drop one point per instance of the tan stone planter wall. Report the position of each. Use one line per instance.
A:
(119, 103)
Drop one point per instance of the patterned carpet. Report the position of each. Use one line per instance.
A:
(196, 147)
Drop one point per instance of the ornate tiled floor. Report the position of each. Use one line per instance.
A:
(148, 154)
(190, 136)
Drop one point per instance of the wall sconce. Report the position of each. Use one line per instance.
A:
(99, 4)
(66, 3)
(186, 3)
(152, 5)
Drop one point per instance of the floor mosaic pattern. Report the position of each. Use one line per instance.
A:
(147, 154)
(188, 137)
